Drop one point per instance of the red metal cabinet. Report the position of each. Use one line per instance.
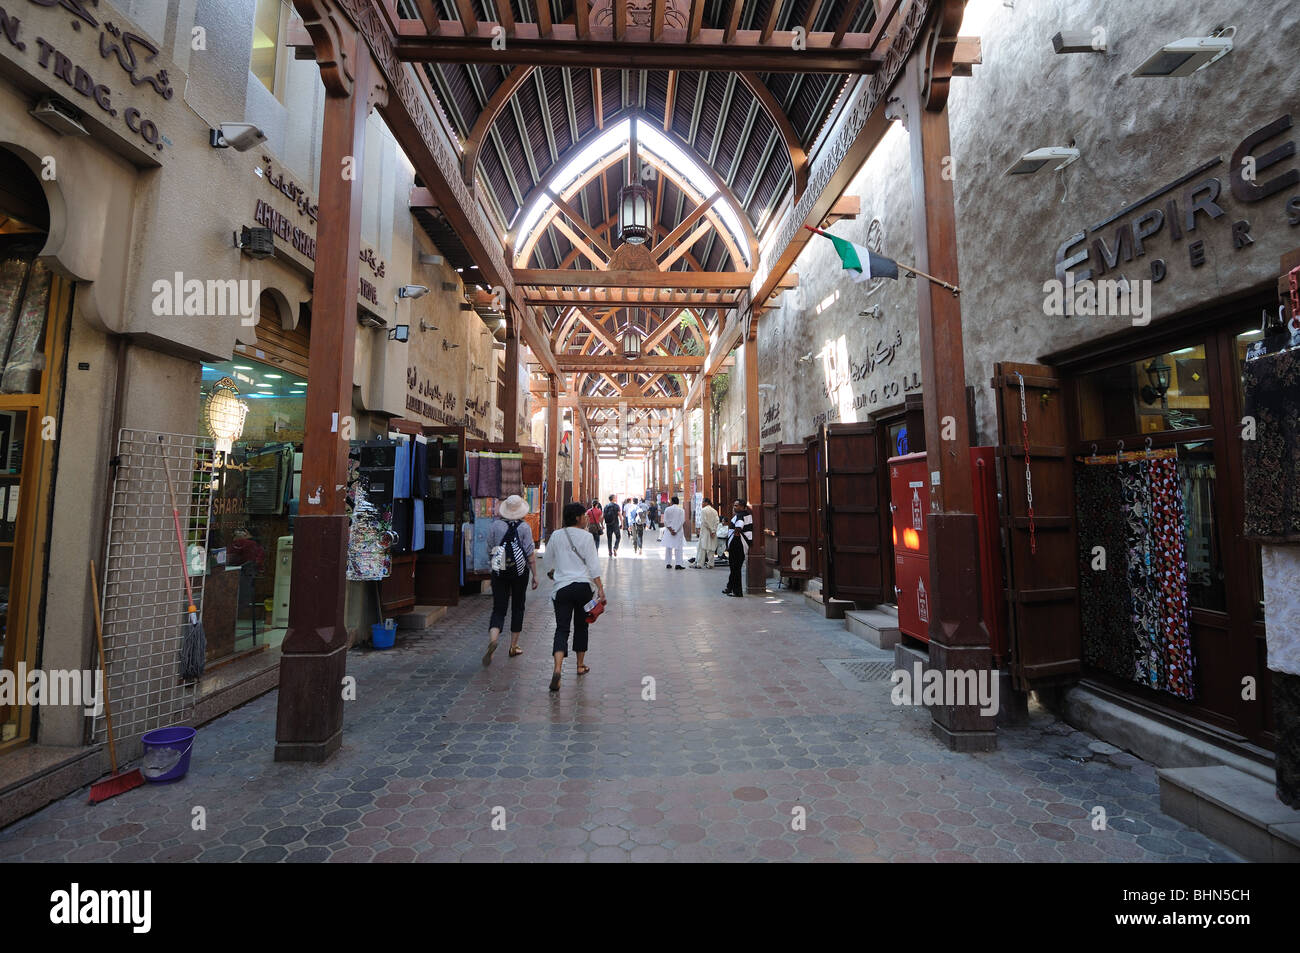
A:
(909, 491)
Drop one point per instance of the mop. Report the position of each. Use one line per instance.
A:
(194, 648)
(115, 783)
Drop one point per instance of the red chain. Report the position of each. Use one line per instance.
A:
(1029, 481)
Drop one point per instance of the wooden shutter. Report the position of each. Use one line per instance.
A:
(767, 464)
(1042, 586)
(275, 345)
(855, 563)
(795, 513)
(815, 453)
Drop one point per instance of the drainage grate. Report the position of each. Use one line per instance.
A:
(869, 671)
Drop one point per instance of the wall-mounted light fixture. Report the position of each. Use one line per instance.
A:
(1188, 55)
(240, 136)
(1039, 160)
(1158, 376)
(871, 312)
(400, 333)
(412, 291)
(1080, 41)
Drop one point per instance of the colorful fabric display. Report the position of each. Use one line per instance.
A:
(512, 475)
(402, 469)
(1272, 459)
(471, 479)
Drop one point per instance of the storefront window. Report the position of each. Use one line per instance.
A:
(254, 503)
(266, 42)
(1156, 394)
(1205, 578)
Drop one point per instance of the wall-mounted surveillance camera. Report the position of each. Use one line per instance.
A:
(240, 136)
(412, 291)
(1039, 160)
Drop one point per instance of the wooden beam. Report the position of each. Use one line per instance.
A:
(789, 138)
(810, 18)
(629, 297)
(620, 20)
(429, 15)
(636, 50)
(670, 259)
(657, 10)
(422, 197)
(598, 95)
(695, 21)
(483, 124)
(468, 18)
(769, 25)
(582, 17)
(850, 11)
(968, 54)
(663, 403)
(846, 206)
(598, 329)
(543, 8)
(668, 102)
(733, 20)
(665, 328)
(685, 225)
(505, 16)
(580, 244)
(581, 224)
(656, 364)
(680, 280)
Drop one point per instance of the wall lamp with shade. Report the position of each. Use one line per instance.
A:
(412, 291)
(1039, 160)
(1158, 375)
(1188, 55)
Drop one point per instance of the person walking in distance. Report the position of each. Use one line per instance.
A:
(638, 526)
(572, 563)
(613, 516)
(674, 533)
(652, 513)
(629, 519)
(742, 536)
(514, 561)
(595, 521)
(709, 520)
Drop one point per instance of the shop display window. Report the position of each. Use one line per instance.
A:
(1157, 394)
(254, 504)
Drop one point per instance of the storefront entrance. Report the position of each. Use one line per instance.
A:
(35, 311)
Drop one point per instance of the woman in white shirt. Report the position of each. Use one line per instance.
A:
(572, 563)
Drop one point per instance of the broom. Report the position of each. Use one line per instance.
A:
(194, 648)
(116, 783)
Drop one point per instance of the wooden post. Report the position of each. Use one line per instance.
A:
(575, 457)
(756, 568)
(553, 509)
(309, 709)
(706, 426)
(510, 409)
(958, 639)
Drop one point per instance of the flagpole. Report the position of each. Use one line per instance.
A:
(908, 268)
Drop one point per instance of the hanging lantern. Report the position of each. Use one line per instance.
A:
(223, 415)
(634, 204)
(631, 344)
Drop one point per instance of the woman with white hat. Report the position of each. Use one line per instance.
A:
(514, 561)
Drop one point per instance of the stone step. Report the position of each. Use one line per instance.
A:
(421, 617)
(906, 655)
(872, 625)
(830, 608)
(1239, 810)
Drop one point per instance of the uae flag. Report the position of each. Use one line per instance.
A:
(860, 262)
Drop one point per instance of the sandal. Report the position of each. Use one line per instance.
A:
(516, 650)
(555, 682)
(584, 669)
(487, 656)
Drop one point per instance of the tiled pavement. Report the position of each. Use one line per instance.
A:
(746, 725)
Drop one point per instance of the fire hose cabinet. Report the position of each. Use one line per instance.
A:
(909, 495)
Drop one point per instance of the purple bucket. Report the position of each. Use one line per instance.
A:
(167, 753)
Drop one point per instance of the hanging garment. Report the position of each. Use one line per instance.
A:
(417, 524)
(1272, 460)
(420, 469)
(1286, 717)
(402, 470)
(26, 358)
(1281, 571)
(512, 476)
(489, 477)
(401, 526)
(1169, 551)
(1105, 601)
(471, 479)
(1142, 573)
(481, 561)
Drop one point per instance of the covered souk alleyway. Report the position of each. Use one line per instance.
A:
(758, 710)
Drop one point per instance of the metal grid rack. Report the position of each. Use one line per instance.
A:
(144, 610)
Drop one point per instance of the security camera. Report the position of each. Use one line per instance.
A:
(240, 136)
(412, 291)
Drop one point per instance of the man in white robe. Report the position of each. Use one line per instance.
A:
(674, 533)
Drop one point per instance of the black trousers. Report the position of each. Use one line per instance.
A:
(736, 563)
(596, 534)
(613, 534)
(570, 605)
(512, 591)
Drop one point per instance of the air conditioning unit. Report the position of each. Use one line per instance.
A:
(256, 242)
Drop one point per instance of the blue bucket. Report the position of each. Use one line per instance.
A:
(382, 635)
(167, 753)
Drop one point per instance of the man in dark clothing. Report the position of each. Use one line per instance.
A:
(742, 536)
(613, 517)
(652, 514)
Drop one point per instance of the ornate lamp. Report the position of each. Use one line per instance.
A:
(1158, 375)
(631, 344)
(223, 415)
(634, 208)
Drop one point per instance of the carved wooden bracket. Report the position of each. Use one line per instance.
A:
(335, 40)
(939, 54)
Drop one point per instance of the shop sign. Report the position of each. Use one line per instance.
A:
(842, 369)
(133, 53)
(771, 421)
(1179, 208)
(427, 399)
(292, 191)
(304, 244)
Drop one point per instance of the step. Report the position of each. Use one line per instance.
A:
(1239, 810)
(905, 656)
(830, 608)
(872, 625)
(421, 617)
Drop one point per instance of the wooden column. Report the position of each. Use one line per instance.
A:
(552, 457)
(958, 639)
(756, 565)
(686, 472)
(575, 456)
(309, 709)
(510, 409)
(670, 475)
(706, 428)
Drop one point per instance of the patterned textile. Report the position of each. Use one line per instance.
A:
(1281, 566)
(471, 481)
(1286, 718)
(489, 477)
(1169, 539)
(1105, 600)
(512, 476)
(1136, 617)
(1143, 581)
(1272, 459)
(26, 359)
(479, 559)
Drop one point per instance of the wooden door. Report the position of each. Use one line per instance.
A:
(737, 484)
(767, 462)
(854, 569)
(815, 457)
(1045, 644)
(795, 516)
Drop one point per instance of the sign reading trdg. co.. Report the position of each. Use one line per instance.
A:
(84, 77)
